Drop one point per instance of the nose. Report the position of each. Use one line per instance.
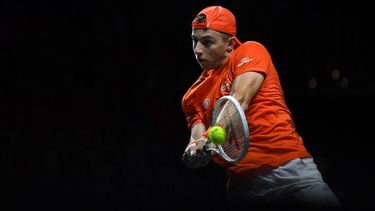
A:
(198, 49)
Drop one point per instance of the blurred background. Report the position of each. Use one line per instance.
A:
(91, 93)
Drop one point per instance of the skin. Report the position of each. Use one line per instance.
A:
(212, 49)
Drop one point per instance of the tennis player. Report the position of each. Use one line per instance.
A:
(277, 170)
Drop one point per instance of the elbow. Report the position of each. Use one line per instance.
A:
(245, 105)
(244, 102)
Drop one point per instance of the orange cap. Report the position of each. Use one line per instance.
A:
(216, 18)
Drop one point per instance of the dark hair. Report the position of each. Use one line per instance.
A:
(225, 36)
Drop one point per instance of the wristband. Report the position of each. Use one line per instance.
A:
(192, 142)
(206, 132)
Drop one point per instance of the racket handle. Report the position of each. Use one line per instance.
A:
(208, 147)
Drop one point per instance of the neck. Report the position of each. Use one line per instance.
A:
(219, 65)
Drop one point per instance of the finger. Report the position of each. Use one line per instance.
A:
(192, 151)
(195, 158)
(200, 144)
(191, 158)
(184, 156)
(212, 145)
(188, 161)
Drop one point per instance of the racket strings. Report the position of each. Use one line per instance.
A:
(235, 142)
(230, 120)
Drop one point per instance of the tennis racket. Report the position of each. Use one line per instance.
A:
(229, 115)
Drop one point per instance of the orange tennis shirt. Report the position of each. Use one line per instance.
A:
(273, 137)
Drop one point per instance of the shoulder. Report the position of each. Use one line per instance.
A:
(253, 45)
(252, 49)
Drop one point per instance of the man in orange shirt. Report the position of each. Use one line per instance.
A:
(277, 169)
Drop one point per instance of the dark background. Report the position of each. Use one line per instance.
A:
(91, 94)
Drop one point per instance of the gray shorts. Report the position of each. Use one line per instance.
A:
(296, 183)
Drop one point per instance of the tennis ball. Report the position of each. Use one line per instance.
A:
(217, 135)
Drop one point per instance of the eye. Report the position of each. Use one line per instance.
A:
(207, 43)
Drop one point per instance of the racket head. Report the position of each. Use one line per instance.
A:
(236, 128)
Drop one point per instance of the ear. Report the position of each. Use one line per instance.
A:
(231, 43)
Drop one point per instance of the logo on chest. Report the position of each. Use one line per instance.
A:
(225, 86)
(224, 89)
(206, 103)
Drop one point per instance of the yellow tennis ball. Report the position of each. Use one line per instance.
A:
(217, 135)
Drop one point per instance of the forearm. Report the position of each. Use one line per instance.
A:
(194, 156)
(197, 131)
(246, 86)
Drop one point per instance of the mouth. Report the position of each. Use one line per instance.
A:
(200, 60)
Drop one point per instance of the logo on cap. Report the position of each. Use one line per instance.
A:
(200, 18)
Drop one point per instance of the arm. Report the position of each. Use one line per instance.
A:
(244, 89)
(246, 86)
(197, 139)
(194, 156)
(197, 131)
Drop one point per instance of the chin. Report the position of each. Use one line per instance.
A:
(206, 67)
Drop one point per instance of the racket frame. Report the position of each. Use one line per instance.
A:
(217, 147)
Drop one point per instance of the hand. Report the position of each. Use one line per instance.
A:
(194, 155)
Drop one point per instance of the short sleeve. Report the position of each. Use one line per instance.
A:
(252, 56)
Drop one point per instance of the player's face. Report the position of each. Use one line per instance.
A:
(209, 47)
